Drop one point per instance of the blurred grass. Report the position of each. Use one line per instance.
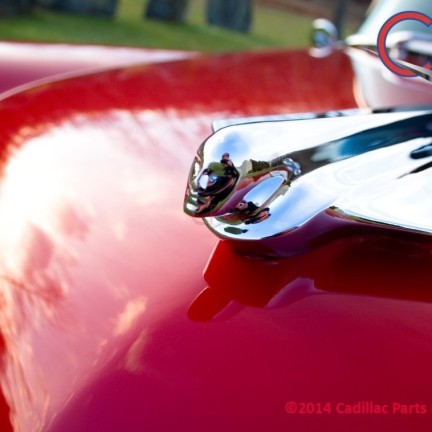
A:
(272, 28)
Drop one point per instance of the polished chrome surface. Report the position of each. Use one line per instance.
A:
(419, 71)
(399, 43)
(261, 180)
(324, 33)
(409, 50)
(221, 123)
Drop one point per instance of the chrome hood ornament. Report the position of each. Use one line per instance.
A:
(273, 188)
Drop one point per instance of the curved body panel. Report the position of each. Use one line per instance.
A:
(23, 63)
(106, 321)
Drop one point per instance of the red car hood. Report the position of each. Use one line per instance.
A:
(23, 63)
(103, 324)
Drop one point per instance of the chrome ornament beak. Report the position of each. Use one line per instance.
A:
(273, 188)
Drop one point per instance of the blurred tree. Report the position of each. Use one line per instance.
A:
(106, 8)
(10, 7)
(231, 14)
(340, 16)
(169, 10)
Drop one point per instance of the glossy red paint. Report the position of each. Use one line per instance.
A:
(25, 62)
(103, 321)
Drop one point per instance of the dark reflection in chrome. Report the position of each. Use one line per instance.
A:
(241, 192)
(214, 184)
(420, 168)
(422, 152)
(278, 180)
(251, 212)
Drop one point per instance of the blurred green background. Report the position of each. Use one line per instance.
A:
(275, 24)
(272, 27)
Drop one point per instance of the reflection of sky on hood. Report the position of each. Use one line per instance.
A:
(85, 208)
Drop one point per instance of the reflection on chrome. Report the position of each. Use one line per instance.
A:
(239, 192)
(282, 184)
